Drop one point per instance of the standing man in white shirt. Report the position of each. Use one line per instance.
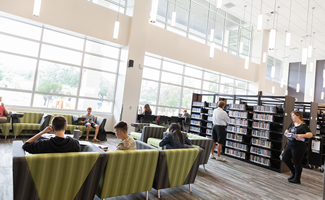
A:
(220, 121)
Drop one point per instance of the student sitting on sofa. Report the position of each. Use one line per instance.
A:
(3, 109)
(57, 144)
(90, 121)
(121, 132)
(175, 139)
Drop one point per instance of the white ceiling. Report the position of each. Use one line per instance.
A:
(297, 25)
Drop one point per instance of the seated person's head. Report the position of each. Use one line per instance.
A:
(184, 111)
(147, 107)
(89, 109)
(121, 129)
(59, 123)
(174, 127)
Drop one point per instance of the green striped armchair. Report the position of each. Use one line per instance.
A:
(175, 167)
(54, 176)
(29, 122)
(5, 127)
(149, 132)
(128, 172)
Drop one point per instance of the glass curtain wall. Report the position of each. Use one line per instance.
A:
(46, 68)
(117, 5)
(167, 85)
(196, 18)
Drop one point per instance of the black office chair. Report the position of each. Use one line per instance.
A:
(173, 120)
(147, 118)
(186, 123)
(162, 120)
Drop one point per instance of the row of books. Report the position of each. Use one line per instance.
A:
(237, 129)
(241, 122)
(196, 116)
(262, 125)
(260, 160)
(236, 153)
(237, 114)
(209, 125)
(194, 122)
(214, 105)
(260, 151)
(236, 137)
(209, 131)
(194, 128)
(261, 133)
(210, 118)
(236, 145)
(270, 109)
(197, 110)
(210, 111)
(265, 117)
(261, 142)
(198, 103)
(237, 106)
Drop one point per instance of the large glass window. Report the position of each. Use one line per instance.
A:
(168, 85)
(196, 18)
(59, 75)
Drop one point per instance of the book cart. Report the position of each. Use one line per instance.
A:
(309, 111)
(255, 131)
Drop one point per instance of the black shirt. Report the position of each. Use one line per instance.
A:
(52, 145)
(147, 112)
(301, 129)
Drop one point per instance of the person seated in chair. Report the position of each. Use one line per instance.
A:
(90, 121)
(175, 139)
(121, 132)
(3, 109)
(57, 144)
(147, 110)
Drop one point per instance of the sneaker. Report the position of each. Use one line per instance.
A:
(212, 156)
(96, 140)
(86, 139)
(221, 159)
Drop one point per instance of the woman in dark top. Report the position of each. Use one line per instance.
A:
(296, 148)
(175, 139)
(147, 110)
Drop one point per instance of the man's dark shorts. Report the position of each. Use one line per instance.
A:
(219, 134)
(92, 124)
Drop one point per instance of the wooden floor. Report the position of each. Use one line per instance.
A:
(221, 180)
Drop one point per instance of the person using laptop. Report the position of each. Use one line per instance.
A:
(58, 144)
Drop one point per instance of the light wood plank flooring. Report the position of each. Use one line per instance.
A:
(221, 180)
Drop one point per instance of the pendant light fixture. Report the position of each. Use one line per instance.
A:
(241, 44)
(272, 32)
(311, 65)
(286, 92)
(37, 7)
(219, 4)
(322, 95)
(260, 19)
(117, 23)
(211, 55)
(246, 62)
(305, 49)
(298, 84)
(288, 34)
(275, 51)
(174, 16)
(273, 89)
(264, 54)
(310, 47)
(154, 10)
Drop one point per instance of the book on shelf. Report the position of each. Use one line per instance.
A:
(237, 114)
(260, 151)
(261, 133)
(237, 129)
(270, 109)
(265, 117)
(235, 137)
(259, 160)
(261, 125)
(198, 103)
(237, 106)
(236, 145)
(236, 153)
(261, 142)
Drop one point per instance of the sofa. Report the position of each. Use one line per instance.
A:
(53, 176)
(128, 172)
(175, 167)
(29, 122)
(149, 132)
(5, 127)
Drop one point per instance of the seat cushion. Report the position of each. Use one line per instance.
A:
(18, 127)
(190, 135)
(154, 142)
(136, 135)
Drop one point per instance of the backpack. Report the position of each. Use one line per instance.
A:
(102, 135)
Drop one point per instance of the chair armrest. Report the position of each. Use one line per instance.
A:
(89, 147)
(101, 123)
(143, 145)
(17, 149)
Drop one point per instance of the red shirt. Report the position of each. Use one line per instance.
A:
(2, 110)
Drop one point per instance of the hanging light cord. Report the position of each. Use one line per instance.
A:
(307, 23)
(118, 12)
(290, 16)
(312, 21)
(261, 7)
(274, 13)
(276, 26)
(299, 62)
(250, 20)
